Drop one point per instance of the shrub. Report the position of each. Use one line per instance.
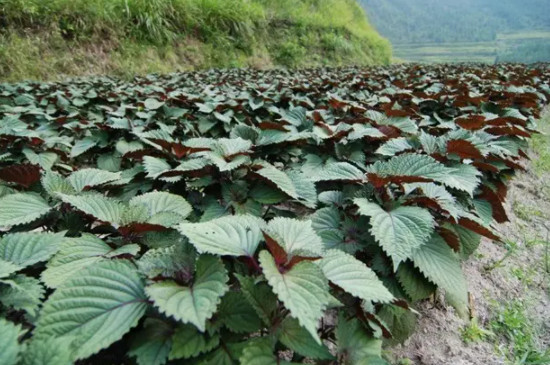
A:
(248, 217)
(290, 53)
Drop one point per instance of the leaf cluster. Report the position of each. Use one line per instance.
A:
(249, 217)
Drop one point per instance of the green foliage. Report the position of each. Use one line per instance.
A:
(400, 231)
(441, 265)
(512, 322)
(10, 347)
(489, 31)
(541, 145)
(74, 313)
(247, 217)
(454, 21)
(303, 290)
(21, 208)
(194, 303)
(473, 332)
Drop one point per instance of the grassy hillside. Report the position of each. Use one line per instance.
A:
(46, 39)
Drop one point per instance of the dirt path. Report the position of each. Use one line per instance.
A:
(509, 284)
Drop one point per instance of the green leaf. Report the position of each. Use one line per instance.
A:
(22, 292)
(335, 171)
(155, 166)
(249, 207)
(94, 308)
(230, 235)
(414, 283)
(355, 346)
(441, 265)
(293, 183)
(188, 342)
(7, 268)
(279, 178)
(399, 231)
(82, 146)
(27, 248)
(297, 238)
(166, 261)
(332, 198)
(152, 344)
(109, 162)
(401, 321)
(303, 290)
(326, 219)
(353, 276)
(159, 203)
(49, 352)
(469, 240)
(267, 195)
(103, 208)
(296, 116)
(123, 147)
(298, 339)
(152, 104)
(237, 314)
(438, 193)
(21, 208)
(227, 355)
(76, 254)
(5, 190)
(45, 160)
(9, 346)
(360, 130)
(213, 209)
(87, 178)
(54, 183)
(484, 211)
(305, 188)
(229, 153)
(259, 351)
(260, 296)
(198, 302)
(394, 146)
(461, 177)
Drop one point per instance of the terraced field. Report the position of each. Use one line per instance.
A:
(526, 47)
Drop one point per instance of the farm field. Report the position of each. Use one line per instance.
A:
(259, 217)
(483, 52)
(527, 47)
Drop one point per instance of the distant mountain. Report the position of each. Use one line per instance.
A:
(419, 21)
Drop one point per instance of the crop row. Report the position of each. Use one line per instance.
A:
(249, 217)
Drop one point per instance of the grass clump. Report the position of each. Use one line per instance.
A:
(525, 212)
(474, 332)
(513, 323)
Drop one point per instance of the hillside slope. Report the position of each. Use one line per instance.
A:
(50, 39)
(419, 21)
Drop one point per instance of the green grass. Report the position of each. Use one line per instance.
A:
(525, 275)
(540, 143)
(473, 332)
(512, 322)
(50, 39)
(525, 212)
